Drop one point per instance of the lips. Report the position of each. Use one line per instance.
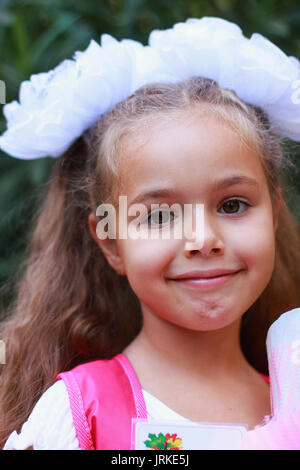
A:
(205, 280)
(208, 274)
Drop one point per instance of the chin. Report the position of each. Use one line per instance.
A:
(214, 320)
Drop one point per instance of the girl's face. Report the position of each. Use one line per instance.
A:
(198, 160)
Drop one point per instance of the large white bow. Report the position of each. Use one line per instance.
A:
(58, 106)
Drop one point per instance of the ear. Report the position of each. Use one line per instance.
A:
(109, 247)
(277, 206)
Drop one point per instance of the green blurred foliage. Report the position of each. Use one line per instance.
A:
(35, 35)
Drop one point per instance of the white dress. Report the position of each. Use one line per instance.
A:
(50, 424)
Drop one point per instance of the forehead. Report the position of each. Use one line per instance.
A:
(185, 149)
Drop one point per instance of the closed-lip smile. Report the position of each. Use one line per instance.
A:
(205, 280)
(208, 274)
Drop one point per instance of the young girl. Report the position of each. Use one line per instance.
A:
(108, 330)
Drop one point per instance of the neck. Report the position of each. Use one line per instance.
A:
(201, 354)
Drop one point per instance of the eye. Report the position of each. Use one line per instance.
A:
(160, 217)
(232, 206)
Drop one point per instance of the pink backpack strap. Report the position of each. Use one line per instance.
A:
(265, 377)
(104, 397)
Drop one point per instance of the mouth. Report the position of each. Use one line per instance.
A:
(205, 280)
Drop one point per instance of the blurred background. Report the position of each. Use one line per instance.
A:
(36, 35)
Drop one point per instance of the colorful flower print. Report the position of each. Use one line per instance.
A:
(163, 442)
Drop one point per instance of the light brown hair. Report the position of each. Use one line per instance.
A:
(70, 305)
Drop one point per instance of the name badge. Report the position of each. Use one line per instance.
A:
(171, 435)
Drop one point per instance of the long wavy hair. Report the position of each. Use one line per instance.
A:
(70, 306)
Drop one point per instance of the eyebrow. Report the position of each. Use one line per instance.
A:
(216, 185)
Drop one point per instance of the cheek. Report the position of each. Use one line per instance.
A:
(146, 259)
(255, 245)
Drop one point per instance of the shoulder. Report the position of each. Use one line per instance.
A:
(50, 424)
(94, 376)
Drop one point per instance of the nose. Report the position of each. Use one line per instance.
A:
(206, 239)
